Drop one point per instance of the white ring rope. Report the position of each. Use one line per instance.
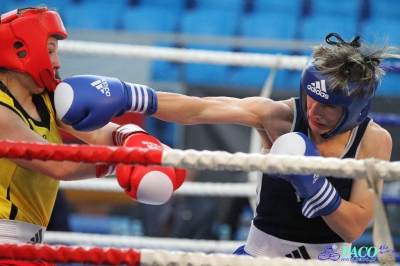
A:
(284, 164)
(183, 55)
(121, 241)
(216, 259)
(187, 188)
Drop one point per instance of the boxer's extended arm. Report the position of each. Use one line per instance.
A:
(90, 102)
(256, 112)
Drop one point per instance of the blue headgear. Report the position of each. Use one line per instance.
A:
(316, 85)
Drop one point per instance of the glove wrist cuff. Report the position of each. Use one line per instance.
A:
(143, 99)
(105, 170)
(324, 202)
(121, 133)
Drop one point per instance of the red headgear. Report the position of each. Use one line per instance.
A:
(23, 43)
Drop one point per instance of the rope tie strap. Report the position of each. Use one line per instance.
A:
(381, 231)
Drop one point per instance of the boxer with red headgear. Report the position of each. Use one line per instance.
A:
(28, 188)
(24, 40)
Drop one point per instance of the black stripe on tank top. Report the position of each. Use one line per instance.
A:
(351, 153)
(14, 209)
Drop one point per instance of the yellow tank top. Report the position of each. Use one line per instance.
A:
(26, 195)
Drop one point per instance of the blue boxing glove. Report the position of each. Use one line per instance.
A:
(89, 102)
(320, 197)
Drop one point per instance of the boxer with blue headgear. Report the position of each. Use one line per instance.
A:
(355, 97)
(295, 215)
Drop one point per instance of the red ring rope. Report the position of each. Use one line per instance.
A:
(79, 153)
(70, 254)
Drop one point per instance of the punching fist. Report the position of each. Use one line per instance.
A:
(89, 102)
(148, 184)
(320, 197)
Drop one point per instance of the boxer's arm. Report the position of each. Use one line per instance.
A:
(80, 103)
(13, 128)
(249, 111)
(353, 216)
(101, 136)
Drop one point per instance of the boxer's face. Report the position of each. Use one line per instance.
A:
(52, 48)
(322, 118)
(28, 82)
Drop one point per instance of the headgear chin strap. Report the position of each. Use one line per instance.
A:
(23, 43)
(316, 86)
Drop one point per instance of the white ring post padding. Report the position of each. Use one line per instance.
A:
(183, 55)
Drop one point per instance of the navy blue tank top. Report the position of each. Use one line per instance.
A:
(279, 212)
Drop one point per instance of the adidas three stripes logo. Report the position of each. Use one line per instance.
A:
(300, 253)
(38, 238)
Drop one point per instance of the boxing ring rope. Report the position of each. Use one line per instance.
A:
(183, 55)
(188, 188)
(112, 256)
(206, 189)
(201, 160)
(143, 242)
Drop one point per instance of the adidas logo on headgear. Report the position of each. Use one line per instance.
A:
(318, 88)
(102, 85)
